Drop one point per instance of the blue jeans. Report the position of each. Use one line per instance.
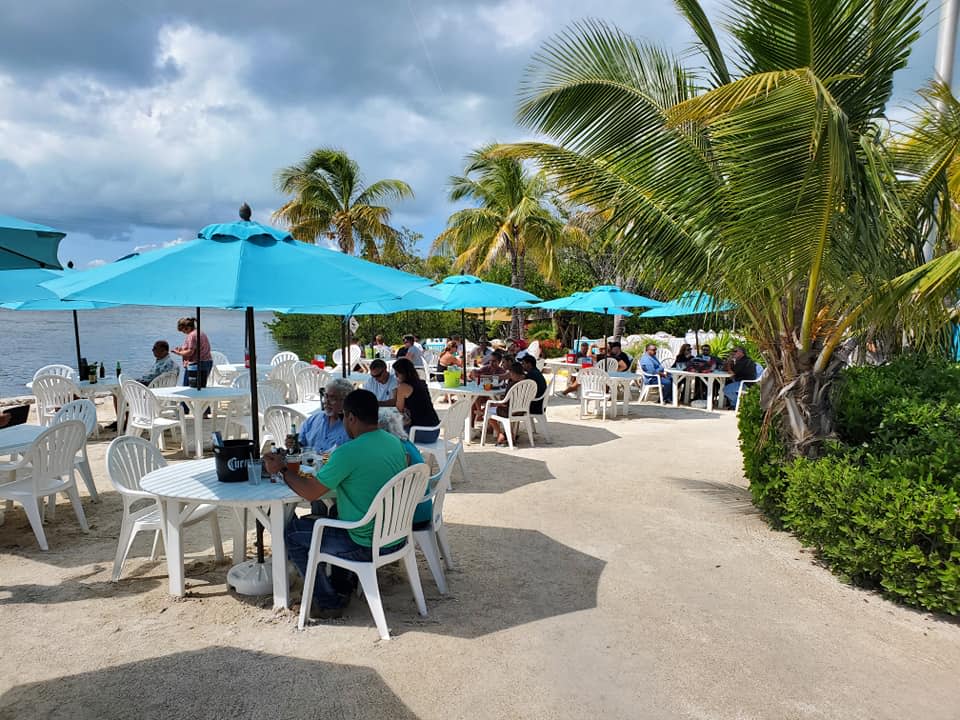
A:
(336, 541)
(666, 387)
(730, 391)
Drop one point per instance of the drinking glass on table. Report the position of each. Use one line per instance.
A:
(309, 459)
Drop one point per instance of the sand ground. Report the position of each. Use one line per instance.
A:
(618, 572)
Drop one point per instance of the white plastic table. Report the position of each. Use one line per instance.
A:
(17, 439)
(709, 379)
(232, 370)
(471, 390)
(89, 391)
(182, 486)
(198, 401)
(616, 381)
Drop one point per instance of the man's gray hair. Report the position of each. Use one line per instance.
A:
(392, 421)
(339, 386)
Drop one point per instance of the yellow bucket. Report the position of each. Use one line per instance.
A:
(451, 378)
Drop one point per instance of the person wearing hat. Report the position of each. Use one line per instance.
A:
(480, 355)
(499, 344)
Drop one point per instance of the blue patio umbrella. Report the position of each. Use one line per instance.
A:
(603, 299)
(690, 303)
(21, 290)
(25, 245)
(581, 302)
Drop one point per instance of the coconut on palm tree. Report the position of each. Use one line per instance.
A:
(330, 200)
(769, 179)
(511, 220)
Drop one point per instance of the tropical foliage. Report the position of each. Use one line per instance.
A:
(511, 221)
(770, 178)
(331, 201)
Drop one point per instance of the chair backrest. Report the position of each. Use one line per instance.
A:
(141, 403)
(268, 395)
(430, 359)
(593, 380)
(356, 354)
(62, 370)
(128, 460)
(52, 391)
(547, 393)
(282, 357)
(242, 382)
(439, 484)
(534, 348)
(520, 396)
(665, 355)
(167, 379)
(284, 373)
(452, 424)
(395, 504)
(309, 381)
(337, 357)
(54, 452)
(278, 419)
(609, 364)
(219, 358)
(83, 410)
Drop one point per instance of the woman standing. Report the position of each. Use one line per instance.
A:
(413, 400)
(189, 350)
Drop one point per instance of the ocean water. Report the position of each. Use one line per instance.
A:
(29, 340)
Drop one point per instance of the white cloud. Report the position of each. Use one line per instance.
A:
(156, 246)
(516, 23)
(96, 263)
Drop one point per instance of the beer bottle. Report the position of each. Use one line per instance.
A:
(118, 369)
(103, 373)
(293, 440)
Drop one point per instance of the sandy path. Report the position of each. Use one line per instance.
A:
(620, 571)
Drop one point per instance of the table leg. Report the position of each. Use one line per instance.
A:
(121, 412)
(198, 427)
(278, 545)
(709, 382)
(721, 398)
(240, 535)
(676, 392)
(170, 511)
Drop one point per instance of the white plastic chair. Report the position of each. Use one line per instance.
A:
(452, 428)
(517, 402)
(128, 460)
(666, 356)
(745, 384)
(284, 372)
(431, 537)
(646, 387)
(309, 381)
(165, 380)
(47, 468)
(219, 358)
(608, 365)
(593, 388)
(540, 418)
(86, 412)
(277, 420)
(534, 349)
(62, 370)
(146, 414)
(285, 356)
(52, 392)
(391, 513)
(267, 396)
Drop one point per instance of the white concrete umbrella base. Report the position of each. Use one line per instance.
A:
(251, 578)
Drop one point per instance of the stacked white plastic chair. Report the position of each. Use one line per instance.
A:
(52, 392)
(608, 365)
(432, 536)
(128, 460)
(86, 412)
(309, 382)
(391, 513)
(594, 389)
(146, 414)
(47, 468)
(517, 401)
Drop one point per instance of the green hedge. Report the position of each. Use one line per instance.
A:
(881, 507)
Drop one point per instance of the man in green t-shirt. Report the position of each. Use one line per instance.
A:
(357, 471)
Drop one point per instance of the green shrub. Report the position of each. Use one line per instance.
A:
(763, 458)
(878, 525)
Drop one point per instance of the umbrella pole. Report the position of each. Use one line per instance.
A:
(76, 339)
(463, 336)
(254, 410)
(197, 349)
(344, 357)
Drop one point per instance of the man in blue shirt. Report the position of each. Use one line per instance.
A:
(654, 372)
(324, 430)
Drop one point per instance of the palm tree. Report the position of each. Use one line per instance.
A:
(512, 221)
(773, 182)
(330, 200)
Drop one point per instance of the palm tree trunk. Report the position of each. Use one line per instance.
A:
(517, 280)
(628, 285)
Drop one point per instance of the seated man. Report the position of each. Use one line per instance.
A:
(531, 372)
(480, 355)
(357, 470)
(493, 367)
(623, 360)
(382, 383)
(515, 375)
(743, 368)
(324, 430)
(381, 350)
(411, 350)
(653, 369)
(164, 362)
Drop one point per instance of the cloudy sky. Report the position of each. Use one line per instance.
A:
(133, 124)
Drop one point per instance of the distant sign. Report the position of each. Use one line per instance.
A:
(353, 325)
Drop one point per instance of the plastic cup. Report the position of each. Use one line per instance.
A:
(254, 471)
(293, 462)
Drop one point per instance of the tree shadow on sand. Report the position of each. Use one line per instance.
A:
(74, 590)
(490, 471)
(217, 682)
(502, 578)
(734, 497)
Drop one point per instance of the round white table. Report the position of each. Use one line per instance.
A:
(198, 401)
(182, 486)
(472, 390)
(717, 376)
(621, 380)
(17, 439)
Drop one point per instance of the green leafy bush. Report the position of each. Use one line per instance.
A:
(882, 506)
